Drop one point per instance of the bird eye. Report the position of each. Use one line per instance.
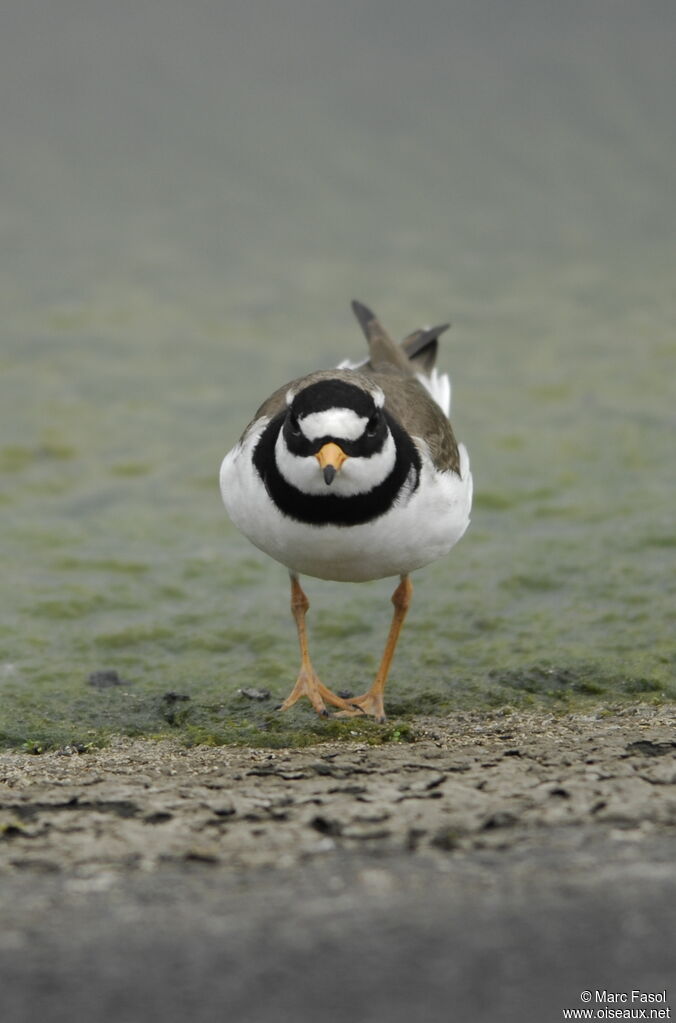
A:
(373, 424)
(294, 425)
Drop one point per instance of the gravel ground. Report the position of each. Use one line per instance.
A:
(492, 870)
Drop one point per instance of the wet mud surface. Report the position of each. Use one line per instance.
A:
(471, 783)
(499, 864)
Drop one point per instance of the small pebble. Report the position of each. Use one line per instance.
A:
(255, 694)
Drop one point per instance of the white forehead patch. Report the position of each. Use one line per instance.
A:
(342, 423)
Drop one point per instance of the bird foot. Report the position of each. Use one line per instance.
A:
(309, 685)
(370, 704)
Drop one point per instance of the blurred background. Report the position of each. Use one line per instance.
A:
(190, 195)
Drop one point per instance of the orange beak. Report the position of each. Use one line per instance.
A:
(330, 458)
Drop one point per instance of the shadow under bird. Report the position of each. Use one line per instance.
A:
(354, 474)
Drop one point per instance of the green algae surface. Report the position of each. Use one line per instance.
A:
(142, 327)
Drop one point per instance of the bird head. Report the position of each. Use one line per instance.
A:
(335, 435)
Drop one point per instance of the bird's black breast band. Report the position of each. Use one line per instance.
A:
(332, 509)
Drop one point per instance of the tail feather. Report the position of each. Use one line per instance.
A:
(383, 350)
(422, 346)
(417, 354)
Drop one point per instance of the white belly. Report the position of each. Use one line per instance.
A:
(407, 537)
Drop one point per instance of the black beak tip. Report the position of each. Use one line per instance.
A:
(329, 474)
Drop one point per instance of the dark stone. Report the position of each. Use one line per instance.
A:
(501, 819)
(326, 825)
(105, 678)
(159, 817)
(652, 749)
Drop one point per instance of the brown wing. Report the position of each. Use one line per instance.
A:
(270, 408)
(417, 411)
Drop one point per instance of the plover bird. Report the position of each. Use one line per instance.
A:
(354, 474)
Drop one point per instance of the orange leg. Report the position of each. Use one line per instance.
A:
(372, 701)
(308, 683)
